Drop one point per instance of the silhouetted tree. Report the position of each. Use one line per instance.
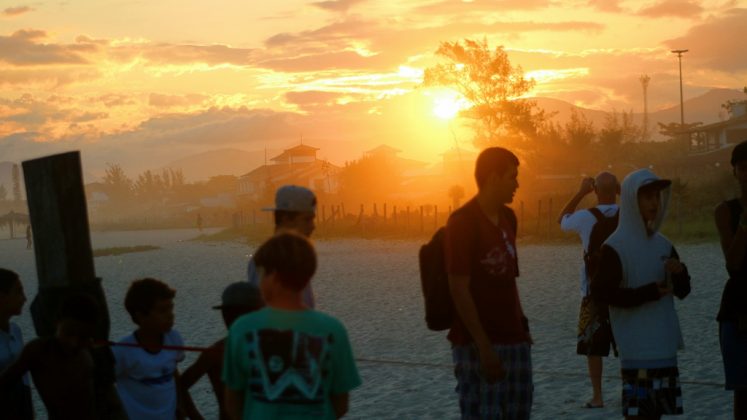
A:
(118, 185)
(493, 86)
(16, 175)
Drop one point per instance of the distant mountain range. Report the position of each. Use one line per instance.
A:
(705, 108)
(201, 166)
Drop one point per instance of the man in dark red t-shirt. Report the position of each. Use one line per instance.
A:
(489, 337)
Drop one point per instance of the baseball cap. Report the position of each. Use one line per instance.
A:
(655, 184)
(294, 198)
(241, 293)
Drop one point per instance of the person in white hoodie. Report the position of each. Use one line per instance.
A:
(639, 272)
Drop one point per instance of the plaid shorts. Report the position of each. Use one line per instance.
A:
(507, 399)
(651, 392)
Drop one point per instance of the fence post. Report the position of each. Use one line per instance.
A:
(549, 218)
(394, 215)
(422, 222)
(384, 211)
(407, 218)
(539, 215)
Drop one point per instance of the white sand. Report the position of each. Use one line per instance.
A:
(373, 287)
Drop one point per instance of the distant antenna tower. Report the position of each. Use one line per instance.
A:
(644, 82)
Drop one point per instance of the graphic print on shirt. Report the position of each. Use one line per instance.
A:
(287, 366)
(500, 261)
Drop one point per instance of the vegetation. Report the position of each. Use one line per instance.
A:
(495, 89)
(107, 252)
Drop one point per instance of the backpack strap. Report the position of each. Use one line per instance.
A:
(597, 213)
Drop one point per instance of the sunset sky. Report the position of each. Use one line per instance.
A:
(143, 83)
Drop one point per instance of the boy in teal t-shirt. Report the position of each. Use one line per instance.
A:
(286, 360)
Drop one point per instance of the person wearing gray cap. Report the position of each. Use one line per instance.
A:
(295, 211)
(238, 299)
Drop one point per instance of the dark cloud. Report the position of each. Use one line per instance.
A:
(689, 9)
(16, 11)
(336, 5)
(26, 48)
(716, 44)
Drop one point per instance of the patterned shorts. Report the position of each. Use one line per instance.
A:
(651, 392)
(594, 330)
(507, 399)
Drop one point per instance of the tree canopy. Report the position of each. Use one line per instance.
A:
(493, 86)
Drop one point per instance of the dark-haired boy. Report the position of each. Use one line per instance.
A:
(286, 360)
(16, 400)
(491, 345)
(146, 372)
(238, 299)
(62, 366)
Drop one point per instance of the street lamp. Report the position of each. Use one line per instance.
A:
(682, 104)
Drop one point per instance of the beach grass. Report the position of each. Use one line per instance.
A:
(108, 252)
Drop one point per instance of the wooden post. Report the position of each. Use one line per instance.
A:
(394, 215)
(539, 215)
(254, 216)
(422, 222)
(62, 243)
(549, 218)
(407, 218)
(343, 209)
(384, 211)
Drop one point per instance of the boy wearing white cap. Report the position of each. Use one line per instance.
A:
(295, 211)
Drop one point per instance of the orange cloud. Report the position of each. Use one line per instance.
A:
(167, 101)
(717, 43)
(451, 7)
(689, 9)
(16, 11)
(26, 48)
(336, 5)
(610, 6)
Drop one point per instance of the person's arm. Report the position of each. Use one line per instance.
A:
(15, 371)
(340, 404)
(587, 186)
(605, 284)
(465, 307)
(234, 400)
(733, 245)
(185, 407)
(679, 275)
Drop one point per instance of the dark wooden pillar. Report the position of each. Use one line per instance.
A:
(62, 242)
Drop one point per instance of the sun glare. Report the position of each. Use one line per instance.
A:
(447, 104)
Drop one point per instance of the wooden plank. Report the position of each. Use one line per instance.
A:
(58, 214)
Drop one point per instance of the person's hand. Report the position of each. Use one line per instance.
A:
(587, 186)
(492, 367)
(664, 289)
(673, 265)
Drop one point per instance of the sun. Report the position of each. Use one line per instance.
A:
(447, 104)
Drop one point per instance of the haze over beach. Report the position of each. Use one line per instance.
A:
(188, 116)
(142, 85)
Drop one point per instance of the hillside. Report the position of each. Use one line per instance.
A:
(201, 166)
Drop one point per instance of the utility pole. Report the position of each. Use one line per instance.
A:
(682, 104)
(644, 82)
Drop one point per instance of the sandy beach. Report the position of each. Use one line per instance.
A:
(373, 287)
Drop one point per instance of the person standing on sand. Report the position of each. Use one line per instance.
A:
(639, 271)
(294, 211)
(731, 222)
(287, 361)
(29, 238)
(594, 334)
(491, 345)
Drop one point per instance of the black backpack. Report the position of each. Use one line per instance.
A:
(602, 229)
(439, 308)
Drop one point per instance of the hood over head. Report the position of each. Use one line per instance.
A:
(631, 220)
